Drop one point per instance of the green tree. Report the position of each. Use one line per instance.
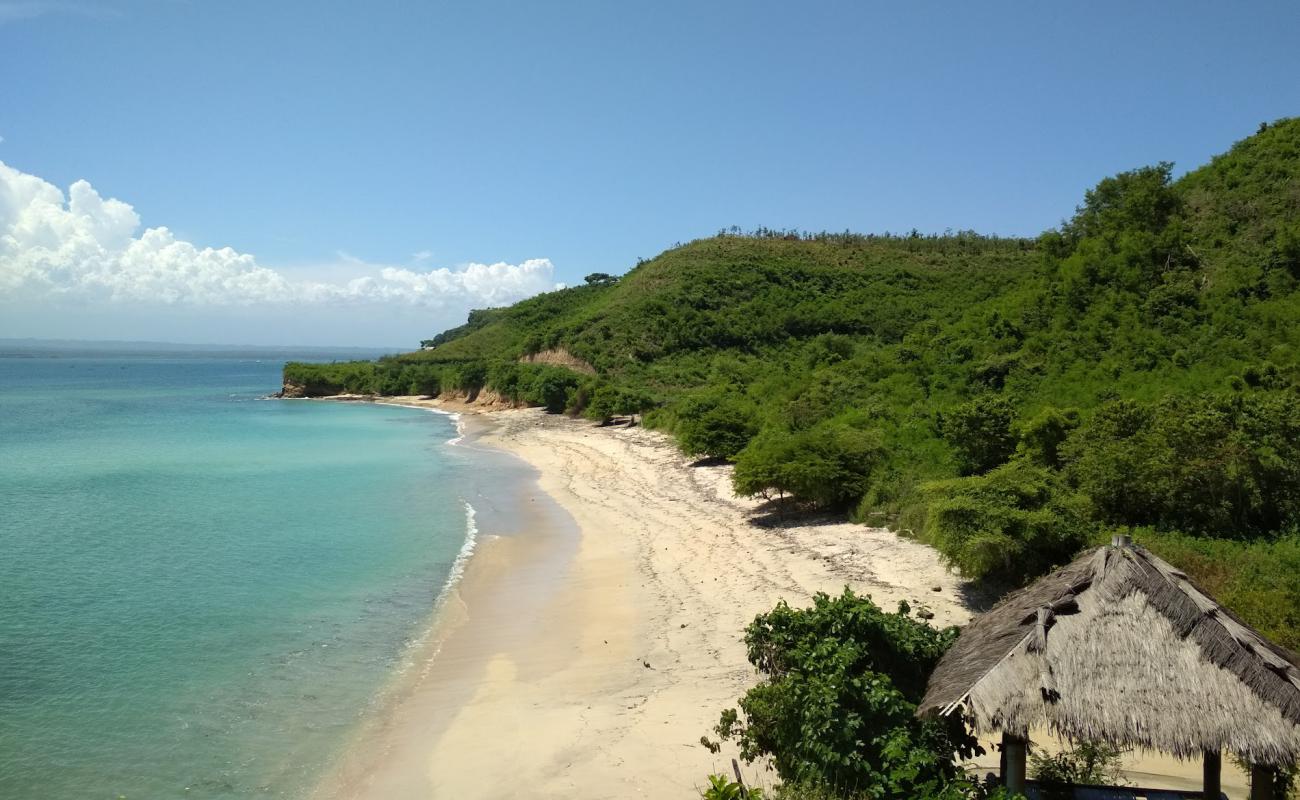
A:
(1042, 436)
(551, 390)
(606, 401)
(471, 376)
(1010, 524)
(716, 424)
(1223, 464)
(426, 382)
(837, 703)
(980, 433)
(829, 465)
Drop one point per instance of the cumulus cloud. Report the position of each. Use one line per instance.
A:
(84, 247)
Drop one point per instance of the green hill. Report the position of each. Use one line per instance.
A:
(1007, 400)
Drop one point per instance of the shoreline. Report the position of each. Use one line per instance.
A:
(521, 536)
(594, 672)
(585, 651)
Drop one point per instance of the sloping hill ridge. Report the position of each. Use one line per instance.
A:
(749, 292)
(1006, 400)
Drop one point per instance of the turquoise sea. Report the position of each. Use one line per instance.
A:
(204, 593)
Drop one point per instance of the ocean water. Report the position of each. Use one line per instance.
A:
(203, 593)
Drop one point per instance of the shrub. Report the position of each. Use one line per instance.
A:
(426, 382)
(1041, 437)
(1016, 522)
(715, 424)
(720, 788)
(827, 466)
(471, 376)
(1095, 763)
(979, 433)
(551, 389)
(317, 380)
(606, 401)
(837, 704)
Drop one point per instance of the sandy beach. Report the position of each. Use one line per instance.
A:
(587, 658)
(594, 673)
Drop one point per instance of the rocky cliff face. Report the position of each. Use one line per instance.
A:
(560, 358)
(482, 397)
(291, 389)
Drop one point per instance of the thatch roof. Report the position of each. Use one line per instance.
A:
(1121, 647)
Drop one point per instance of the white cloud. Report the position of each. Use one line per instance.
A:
(84, 247)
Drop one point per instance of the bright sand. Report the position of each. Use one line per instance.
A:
(588, 663)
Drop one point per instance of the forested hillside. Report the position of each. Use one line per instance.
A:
(1007, 400)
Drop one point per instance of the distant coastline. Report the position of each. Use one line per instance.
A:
(87, 348)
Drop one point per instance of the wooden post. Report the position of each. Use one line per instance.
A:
(1212, 769)
(1261, 782)
(1014, 749)
(1002, 762)
(740, 779)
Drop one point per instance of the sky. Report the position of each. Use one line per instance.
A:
(363, 173)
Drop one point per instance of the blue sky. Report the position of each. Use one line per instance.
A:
(327, 141)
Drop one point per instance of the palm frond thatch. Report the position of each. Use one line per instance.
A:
(1121, 647)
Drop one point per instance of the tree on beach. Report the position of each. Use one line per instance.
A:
(716, 424)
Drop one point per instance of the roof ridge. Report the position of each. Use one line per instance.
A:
(1248, 639)
(1042, 614)
(1239, 692)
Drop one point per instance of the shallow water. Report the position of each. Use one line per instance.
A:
(202, 593)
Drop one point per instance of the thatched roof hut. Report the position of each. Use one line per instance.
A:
(1123, 648)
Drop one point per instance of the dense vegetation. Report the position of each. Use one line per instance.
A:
(1009, 401)
(525, 384)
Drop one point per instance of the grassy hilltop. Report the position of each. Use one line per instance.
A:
(1007, 400)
